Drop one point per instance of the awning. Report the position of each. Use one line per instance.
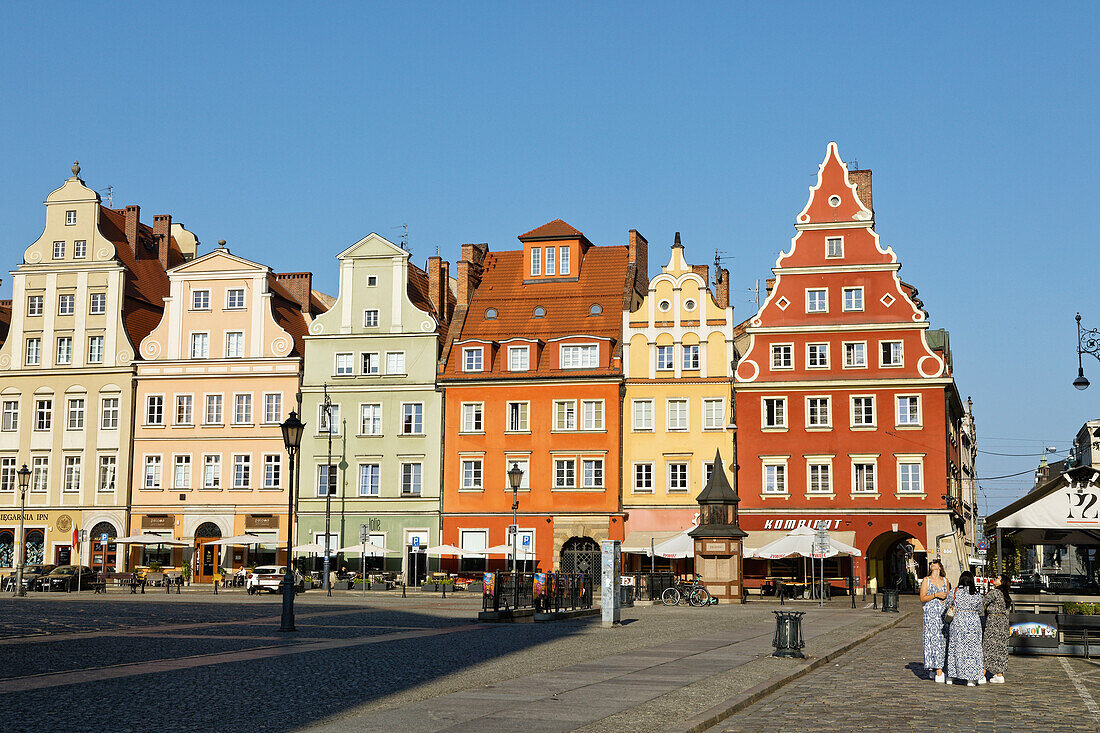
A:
(638, 541)
(759, 538)
(1064, 510)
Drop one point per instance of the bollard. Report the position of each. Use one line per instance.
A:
(779, 590)
(788, 640)
(402, 588)
(444, 587)
(890, 601)
(215, 588)
(874, 601)
(852, 589)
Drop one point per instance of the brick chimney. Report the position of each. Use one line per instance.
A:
(438, 277)
(162, 233)
(133, 217)
(299, 285)
(862, 182)
(638, 254)
(470, 269)
(702, 271)
(722, 287)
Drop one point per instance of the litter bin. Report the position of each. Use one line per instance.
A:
(788, 640)
(890, 601)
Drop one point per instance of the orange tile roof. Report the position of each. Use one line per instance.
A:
(556, 229)
(418, 294)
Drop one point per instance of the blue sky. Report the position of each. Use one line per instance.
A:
(291, 130)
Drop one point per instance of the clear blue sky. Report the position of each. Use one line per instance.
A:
(291, 130)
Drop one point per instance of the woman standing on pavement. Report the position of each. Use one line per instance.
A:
(933, 594)
(995, 640)
(964, 649)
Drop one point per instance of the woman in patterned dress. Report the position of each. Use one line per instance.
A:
(933, 593)
(964, 648)
(995, 639)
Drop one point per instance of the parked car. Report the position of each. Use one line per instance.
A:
(64, 578)
(270, 578)
(32, 577)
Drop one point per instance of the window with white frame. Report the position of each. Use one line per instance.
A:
(714, 414)
(70, 217)
(642, 411)
(412, 418)
(817, 300)
(853, 299)
(152, 472)
(234, 344)
(34, 352)
(518, 420)
(273, 408)
(472, 359)
(80, 249)
(213, 414)
(676, 414)
(472, 417)
(7, 474)
(65, 350)
(908, 410)
(200, 300)
(370, 419)
(863, 411)
(328, 419)
(76, 414)
(565, 473)
(97, 304)
(708, 471)
(108, 411)
(370, 479)
(565, 415)
(550, 269)
(817, 412)
(643, 478)
(273, 470)
(891, 353)
(11, 416)
(580, 357)
(910, 480)
(855, 354)
(863, 477)
(471, 475)
(678, 477)
(782, 356)
(563, 268)
(154, 409)
(411, 475)
(591, 414)
(242, 471)
(536, 261)
(71, 479)
(95, 349)
(820, 479)
(326, 480)
(691, 357)
(181, 472)
(66, 304)
(370, 362)
(372, 281)
(108, 473)
(59, 250)
(664, 358)
(43, 414)
(395, 362)
(524, 465)
(834, 247)
(775, 477)
(370, 318)
(774, 412)
(817, 356)
(344, 366)
(40, 474)
(234, 298)
(242, 409)
(35, 305)
(592, 473)
(211, 471)
(519, 358)
(200, 345)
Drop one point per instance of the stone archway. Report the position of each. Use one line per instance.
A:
(890, 559)
(581, 555)
(207, 559)
(104, 554)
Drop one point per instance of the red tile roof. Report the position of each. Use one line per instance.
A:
(5, 320)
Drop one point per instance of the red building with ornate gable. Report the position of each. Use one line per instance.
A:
(847, 409)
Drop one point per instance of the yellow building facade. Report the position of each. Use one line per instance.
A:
(677, 401)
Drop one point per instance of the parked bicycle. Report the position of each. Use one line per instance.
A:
(691, 592)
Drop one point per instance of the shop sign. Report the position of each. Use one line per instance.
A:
(26, 516)
(261, 521)
(785, 523)
(1084, 505)
(158, 521)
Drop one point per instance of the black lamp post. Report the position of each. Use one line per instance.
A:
(1088, 342)
(515, 478)
(24, 474)
(292, 439)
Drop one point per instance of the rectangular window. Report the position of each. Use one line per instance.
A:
(853, 299)
(200, 300)
(863, 478)
(550, 269)
(817, 300)
(242, 409)
(65, 350)
(66, 305)
(517, 417)
(891, 353)
(536, 261)
(59, 250)
(471, 475)
(108, 473)
(372, 281)
(154, 410)
(592, 415)
(234, 298)
(782, 356)
(234, 344)
(328, 420)
(519, 358)
(211, 472)
(370, 362)
(11, 415)
(200, 345)
(109, 413)
(817, 356)
(643, 414)
(664, 358)
(40, 475)
(326, 480)
(213, 409)
(471, 360)
(242, 471)
(909, 410)
(152, 472)
(97, 304)
(34, 351)
(472, 417)
(909, 478)
(7, 474)
(565, 415)
(76, 415)
(369, 479)
(35, 305)
(411, 474)
(834, 247)
(580, 357)
(817, 412)
(181, 472)
(691, 357)
(344, 365)
(70, 217)
(412, 418)
(564, 267)
(592, 473)
(43, 414)
(863, 411)
(72, 474)
(95, 349)
(677, 478)
(524, 466)
(714, 414)
(820, 478)
(370, 419)
(370, 318)
(855, 355)
(395, 362)
(565, 473)
(775, 478)
(273, 408)
(273, 471)
(643, 478)
(80, 249)
(676, 414)
(775, 412)
(184, 403)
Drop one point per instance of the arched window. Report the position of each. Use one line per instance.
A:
(491, 313)
(35, 553)
(7, 549)
(208, 529)
(595, 309)
(540, 312)
(103, 528)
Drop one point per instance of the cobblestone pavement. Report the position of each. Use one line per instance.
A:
(876, 687)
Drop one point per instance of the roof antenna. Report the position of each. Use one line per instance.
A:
(110, 191)
(404, 236)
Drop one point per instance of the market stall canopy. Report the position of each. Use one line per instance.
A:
(1064, 510)
(800, 543)
(151, 539)
(240, 540)
(638, 541)
(369, 548)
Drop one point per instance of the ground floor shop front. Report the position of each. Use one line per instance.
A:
(406, 537)
(48, 537)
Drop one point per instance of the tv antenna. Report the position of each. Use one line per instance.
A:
(404, 236)
(110, 191)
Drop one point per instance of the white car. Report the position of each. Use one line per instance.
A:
(270, 578)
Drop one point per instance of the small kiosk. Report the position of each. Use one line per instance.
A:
(718, 537)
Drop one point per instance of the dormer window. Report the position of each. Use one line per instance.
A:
(595, 309)
(834, 247)
(540, 312)
(580, 357)
(70, 217)
(491, 313)
(472, 360)
(564, 267)
(519, 358)
(536, 261)
(550, 267)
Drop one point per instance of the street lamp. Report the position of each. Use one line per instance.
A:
(292, 439)
(330, 486)
(24, 474)
(515, 478)
(1088, 342)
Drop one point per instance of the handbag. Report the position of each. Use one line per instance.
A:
(949, 614)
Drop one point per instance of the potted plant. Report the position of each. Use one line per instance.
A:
(429, 585)
(185, 572)
(1080, 616)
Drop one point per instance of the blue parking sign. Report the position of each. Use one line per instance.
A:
(526, 540)
(416, 542)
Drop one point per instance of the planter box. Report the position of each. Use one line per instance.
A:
(379, 586)
(432, 587)
(1079, 621)
(476, 587)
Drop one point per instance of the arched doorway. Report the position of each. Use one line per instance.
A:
(581, 555)
(206, 556)
(895, 560)
(104, 557)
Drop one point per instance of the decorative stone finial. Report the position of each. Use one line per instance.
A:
(76, 168)
(221, 244)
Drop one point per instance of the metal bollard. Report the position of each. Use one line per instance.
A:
(788, 640)
(402, 588)
(890, 601)
(779, 590)
(874, 601)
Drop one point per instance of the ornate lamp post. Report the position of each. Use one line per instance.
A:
(330, 486)
(292, 439)
(515, 478)
(1088, 342)
(24, 474)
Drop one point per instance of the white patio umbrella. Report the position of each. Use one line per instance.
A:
(370, 549)
(315, 548)
(441, 550)
(241, 540)
(680, 546)
(150, 539)
(800, 543)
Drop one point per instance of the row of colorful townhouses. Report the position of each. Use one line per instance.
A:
(143, 384)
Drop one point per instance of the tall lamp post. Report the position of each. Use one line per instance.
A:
(24, 474)
(515, 478)
(330, 486)
(1088, 342)
(292, 439)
